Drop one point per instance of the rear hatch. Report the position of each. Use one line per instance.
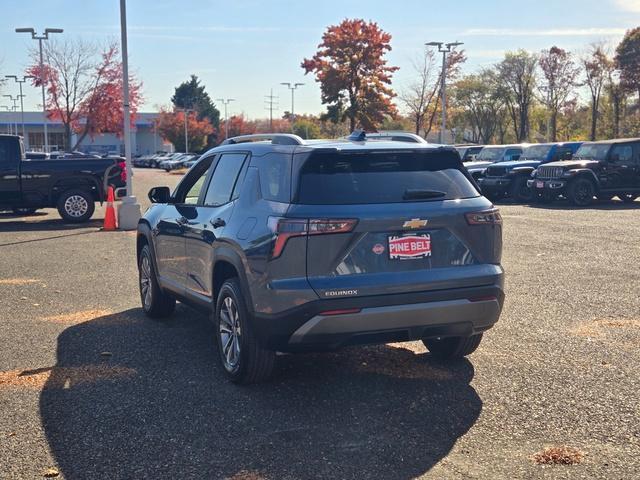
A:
(393, 221)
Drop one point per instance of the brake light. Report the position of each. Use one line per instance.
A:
(286, 228)
(123, 171)
(486, 217)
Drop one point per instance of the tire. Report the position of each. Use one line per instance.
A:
(76, 206)
(581, 192)
(494, 196)
(628, 197)
(519, 190)
(450, 348)
(243, 359)
(24, 211)
(155, 302)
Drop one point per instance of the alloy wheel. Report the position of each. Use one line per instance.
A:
(76, 206)
(230, 333)
(145, 282)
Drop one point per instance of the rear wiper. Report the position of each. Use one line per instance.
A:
(421, 194)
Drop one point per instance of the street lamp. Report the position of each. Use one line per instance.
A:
(8, 109)
(226, 102)
(292, 87)
(186, 134)
(40, 38)
(443, 48)
(15, 108)
(20, 82)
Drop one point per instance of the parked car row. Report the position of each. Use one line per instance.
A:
(576, 171)
(166, 161)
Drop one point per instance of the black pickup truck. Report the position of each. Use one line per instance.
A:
(72, 185)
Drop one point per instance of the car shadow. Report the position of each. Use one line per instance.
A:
(596, 205)
(134, 398)
(30, 224)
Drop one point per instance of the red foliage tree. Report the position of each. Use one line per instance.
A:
(170, 125)
(352, 71)
(238, 125)
(84, 89)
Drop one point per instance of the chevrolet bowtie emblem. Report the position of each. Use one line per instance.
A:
(415, 223)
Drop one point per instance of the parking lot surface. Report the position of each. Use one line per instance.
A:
(91, 388)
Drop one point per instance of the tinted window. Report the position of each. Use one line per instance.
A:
(224, 179)
(194, 192)
(622, 154)
(275, 177)
(381, 177)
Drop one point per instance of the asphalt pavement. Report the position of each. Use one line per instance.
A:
(91, 389)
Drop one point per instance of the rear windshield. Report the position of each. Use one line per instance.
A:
(381, 177)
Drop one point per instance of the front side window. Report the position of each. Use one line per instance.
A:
(189, 189)
(593, 151)
(224, 179)
(622, 154)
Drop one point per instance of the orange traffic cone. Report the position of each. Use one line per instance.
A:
(110, 214)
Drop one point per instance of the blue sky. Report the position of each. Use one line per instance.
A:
(243, 48)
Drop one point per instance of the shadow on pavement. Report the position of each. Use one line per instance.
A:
(30, 224)
(372, 412)
(565, 205)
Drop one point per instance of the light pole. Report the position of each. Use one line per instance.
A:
(186, 130)
(129, 210)
(226, 102)
(443, 48)
(292, 87)
(9, 109)
(20, 82)
(14, 109)
(40, 38)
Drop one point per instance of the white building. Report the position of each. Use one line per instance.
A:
(144, 137)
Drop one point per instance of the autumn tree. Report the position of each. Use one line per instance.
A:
(193, 95)
(171, 126)
(306, 128)
(238, 125)
(517, 80)
(597, 67)
(353, 73)
(627, 60)
(478, 97)
(560, 75)
(84, 88)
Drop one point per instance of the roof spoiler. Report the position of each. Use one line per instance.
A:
(276, 139)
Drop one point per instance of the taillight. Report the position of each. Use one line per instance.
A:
(286, 228)
(486, 217)
(123, 171)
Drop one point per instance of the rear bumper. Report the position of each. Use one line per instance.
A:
(382, 319)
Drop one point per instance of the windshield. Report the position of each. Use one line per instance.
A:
(490, 154)
(536, 152)
(593, 151)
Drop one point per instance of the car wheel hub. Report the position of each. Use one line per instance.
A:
(76, 206)
(230, 333)
(145, 282)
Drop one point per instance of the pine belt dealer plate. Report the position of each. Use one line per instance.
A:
(409, 247)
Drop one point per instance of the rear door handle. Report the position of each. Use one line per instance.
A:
(217, 223)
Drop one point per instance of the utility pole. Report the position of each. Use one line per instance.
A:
(40, 38)
(186, 129)
(443, 48)
(10, 123)
(14, 110)
(225, 102)
(292, 87)
(20, 82)
(271, 101)
(129, 210)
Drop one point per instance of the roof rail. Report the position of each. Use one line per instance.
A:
(276, 139)
(362, 136)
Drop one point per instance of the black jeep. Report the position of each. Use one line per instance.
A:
(598, 169)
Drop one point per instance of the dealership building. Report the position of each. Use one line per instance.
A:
(144, 137)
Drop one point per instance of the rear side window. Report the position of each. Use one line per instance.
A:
(381, 177)
(275, 176)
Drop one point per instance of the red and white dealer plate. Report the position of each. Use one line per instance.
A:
(409, 247)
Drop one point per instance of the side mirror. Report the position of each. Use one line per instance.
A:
(160, 195)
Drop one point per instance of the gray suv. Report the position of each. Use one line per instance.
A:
(294, 245)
